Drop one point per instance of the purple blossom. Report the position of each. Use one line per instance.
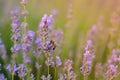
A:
(49, 77)
(27, 59)
(15, 26)
(15, 37)
(2, 77)
(50, 62)
(111, 71)
(38, 43)
(12, 69)
(26, 47)
(15, 48)
(31, 34)
(58, 61)
(29, 37)
(114, 58)
(68, 67)
(22, 72)
(87, 59)
(46, 22)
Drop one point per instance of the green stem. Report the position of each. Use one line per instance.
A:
(12, 76)
(28, 76)
(55, 73)
(25, 19)
(48, 66)
(38, 74)
(48, 69)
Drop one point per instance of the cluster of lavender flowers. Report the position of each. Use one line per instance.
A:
(87, 59)
(35, 55)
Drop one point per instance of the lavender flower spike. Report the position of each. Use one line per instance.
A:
(87, 59)
(46, 22)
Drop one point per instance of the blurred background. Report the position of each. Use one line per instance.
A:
(80, 20)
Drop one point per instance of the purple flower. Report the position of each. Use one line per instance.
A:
(111, 71)
(31, 34)
(46, 22)
(87, 59)
(15, 37)
(58, 61)
(38, 43)
(50, 63)
(68, 67)
(27, 59)
(15, 48)
(13, 69)
(22, 72)
(49, 22)
(49, 77)
(29, 37)
(26, 47)
(2, 77)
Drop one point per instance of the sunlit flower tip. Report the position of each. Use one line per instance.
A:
(49, 22)
(44, 18)
(46, 22)
(58, 61)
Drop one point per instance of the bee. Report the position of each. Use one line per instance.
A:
(53, 44)
(50, 45)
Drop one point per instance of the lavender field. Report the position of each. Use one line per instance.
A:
(59, 39)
